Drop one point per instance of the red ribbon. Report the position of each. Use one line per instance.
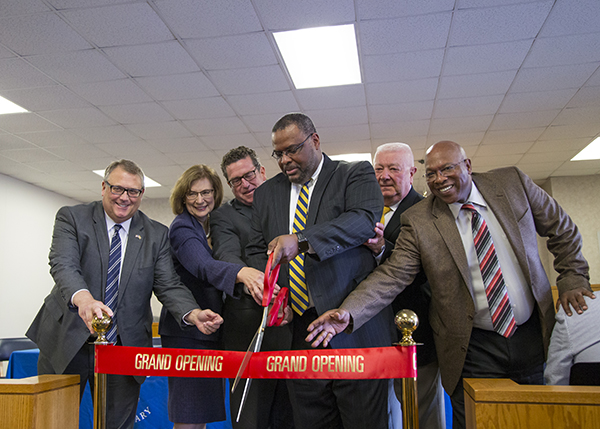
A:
(350, 364)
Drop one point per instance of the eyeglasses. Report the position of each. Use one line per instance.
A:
(207, 193)
(237, 181)
(118, 190)
(430, 176)
(293, 150)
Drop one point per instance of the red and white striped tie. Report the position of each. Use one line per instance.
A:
(503, 318)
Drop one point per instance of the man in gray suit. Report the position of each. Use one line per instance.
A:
(267, 404)
(340, 203)
(79, 259)
(395, 168)
(439, 237)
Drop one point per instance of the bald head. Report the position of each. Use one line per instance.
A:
(395, 169)
(448, 172)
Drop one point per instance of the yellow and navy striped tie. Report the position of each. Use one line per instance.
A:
(299, 291)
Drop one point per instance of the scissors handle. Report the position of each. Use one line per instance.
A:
(281, 301)
(270, 281)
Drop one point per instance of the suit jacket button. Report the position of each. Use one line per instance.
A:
(463, 348)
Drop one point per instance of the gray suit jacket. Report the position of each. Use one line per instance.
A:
(430, 240)
(344, 207)
(79, 260)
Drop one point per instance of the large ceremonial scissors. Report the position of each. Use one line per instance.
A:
(269, 318)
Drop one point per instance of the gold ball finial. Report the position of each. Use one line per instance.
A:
(102, 326)
(406, 321)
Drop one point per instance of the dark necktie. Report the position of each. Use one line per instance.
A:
(299, 291)
(112, 281)
(503, 318)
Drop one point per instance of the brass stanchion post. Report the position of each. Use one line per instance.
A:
(407, 321)
(101, 326)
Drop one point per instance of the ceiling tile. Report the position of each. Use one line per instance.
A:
(565, 50)
(75, 67)
(190, 158)
(206, 18)
(292, 15)
(159, 130)
(227, 142)
(570, 131)
(178, 86)
(152, 59)
(29, 155)
(485, 163)
(77, 118)
(122, 91)
(77, 4)
(399, 131)
(232, 52)
(511, 148)
(217, 126)
(578, 115)
(464, 139)
(341, 134)
(21, 7)
(261, 123)
(587, 96)
(199, 108)
(401, 112)
(135, 150)
(112, 133)
(531, 101)
(475, 85)
(16, 73)
(280, 102)
(493, 57)
(170, 146)
(9, 141)
(39, 34)
(388, 36)
(532, 158)
(339, 117)
(25, 122)
(45, 98)
(368, 9)
(552, 78)
(569, 17)
(468, 106)
(119, 25)
(78, 153)
(54, 138)
(466, 124)
(403, 91)
(250, 81)
(512, 136)
(139, 113)
(331, 97)
(403, 66)
(538, 118)
(541, 146)
(498, 24)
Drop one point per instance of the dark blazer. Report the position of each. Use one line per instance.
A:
(417, 296)
(230, 226)
(79, 260)
(430, 239)
(205, 276)
(345, 204)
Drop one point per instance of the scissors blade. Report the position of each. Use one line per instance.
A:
(256, 342)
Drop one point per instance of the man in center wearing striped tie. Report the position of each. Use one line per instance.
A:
(314, 216)
(475, 239)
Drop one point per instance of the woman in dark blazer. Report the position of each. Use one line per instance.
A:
(193, 402)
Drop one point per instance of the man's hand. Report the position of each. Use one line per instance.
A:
(254, 282)
(376, 243)
(575, 298)
(284, 248)
(207, 321)
(88, 307)
(327, 326)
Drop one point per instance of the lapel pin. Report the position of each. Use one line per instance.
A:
(138, 237)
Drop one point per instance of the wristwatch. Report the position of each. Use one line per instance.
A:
(302, 242)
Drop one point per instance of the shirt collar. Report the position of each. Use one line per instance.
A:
(110, 223)
(475, 198)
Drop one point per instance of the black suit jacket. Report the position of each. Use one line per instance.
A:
(417, 296)
(345, 204)
(79, 260)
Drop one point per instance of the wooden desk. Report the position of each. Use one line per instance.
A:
(501, 403)
(40, 402)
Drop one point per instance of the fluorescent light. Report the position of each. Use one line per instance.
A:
(7, 106)
(148, 182)
(591, 151)
(352, 157)
(321, 56)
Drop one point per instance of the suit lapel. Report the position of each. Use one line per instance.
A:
(446, 225)
(242, 209)
(500, 206)
(393, 227)
(281, 195)
(102, 239)
(325, 175)
(135, 238)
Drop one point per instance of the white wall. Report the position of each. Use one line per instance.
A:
(26, 221)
